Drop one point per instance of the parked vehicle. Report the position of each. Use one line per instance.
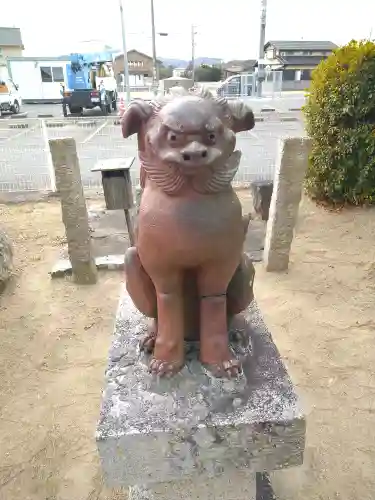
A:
(10, 98)
(237, 85)
(91, 83)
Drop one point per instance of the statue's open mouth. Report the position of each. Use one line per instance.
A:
(191, 162)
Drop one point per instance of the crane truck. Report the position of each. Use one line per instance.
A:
(90, 83)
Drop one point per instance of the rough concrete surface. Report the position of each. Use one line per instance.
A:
(194, 424)
(239, 485)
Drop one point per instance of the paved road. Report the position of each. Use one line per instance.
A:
(25, 162)
(287, 101)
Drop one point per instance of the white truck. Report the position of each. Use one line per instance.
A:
(10, 98)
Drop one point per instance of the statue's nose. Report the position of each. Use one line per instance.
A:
(194, 151)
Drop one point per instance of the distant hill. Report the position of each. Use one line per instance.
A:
(181, 63)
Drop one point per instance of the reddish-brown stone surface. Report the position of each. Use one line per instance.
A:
(187, 270)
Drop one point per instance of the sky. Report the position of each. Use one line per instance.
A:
(226, 29)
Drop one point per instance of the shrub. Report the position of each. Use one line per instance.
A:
(340, 116)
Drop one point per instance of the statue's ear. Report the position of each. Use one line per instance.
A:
(242, 116)
(137, 113)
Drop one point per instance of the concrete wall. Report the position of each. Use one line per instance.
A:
(295, 85)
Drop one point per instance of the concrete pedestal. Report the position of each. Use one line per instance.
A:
(202, 434)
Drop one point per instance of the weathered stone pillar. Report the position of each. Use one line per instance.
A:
(73, 207)
(6, 259)
(289, 175)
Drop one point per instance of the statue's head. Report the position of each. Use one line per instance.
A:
(189, 130)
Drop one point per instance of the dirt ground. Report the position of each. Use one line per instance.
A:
(55, 335)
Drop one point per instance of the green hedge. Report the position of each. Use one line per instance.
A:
(340, 117)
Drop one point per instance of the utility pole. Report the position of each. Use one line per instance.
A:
(126, 63)
(193, 33)
(262, 41)
(155, 72)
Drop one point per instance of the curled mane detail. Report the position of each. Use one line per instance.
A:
(170, 180)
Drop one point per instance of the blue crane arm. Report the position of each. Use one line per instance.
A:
(91, 58)
(78, 71)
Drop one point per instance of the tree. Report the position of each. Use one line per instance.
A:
(207, 73)
(204, 73)
(340, 115)
(165, 72)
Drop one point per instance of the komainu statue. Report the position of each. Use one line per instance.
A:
(187, 270)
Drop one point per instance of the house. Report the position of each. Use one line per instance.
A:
(237, 67)
(140, 68)
(10, 46)
(296, 60)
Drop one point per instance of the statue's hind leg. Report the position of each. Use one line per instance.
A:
(142, 291)
(240, 290)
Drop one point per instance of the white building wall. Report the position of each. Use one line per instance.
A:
(26, 73)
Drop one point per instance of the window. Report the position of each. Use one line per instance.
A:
(306, 74)
(58, 74)
(46, 74)
(289, 75)
(51, 74)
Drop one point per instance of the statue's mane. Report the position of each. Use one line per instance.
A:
(201, 92)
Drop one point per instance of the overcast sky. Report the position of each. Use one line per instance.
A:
(227, 29)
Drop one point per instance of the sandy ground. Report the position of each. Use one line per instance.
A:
(55, 335)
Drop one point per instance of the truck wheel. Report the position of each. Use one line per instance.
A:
(15, 108)
(104, 109)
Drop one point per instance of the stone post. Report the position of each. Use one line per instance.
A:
(289, 175)
(74, 210)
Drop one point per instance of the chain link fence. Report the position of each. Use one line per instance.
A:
(26, 165)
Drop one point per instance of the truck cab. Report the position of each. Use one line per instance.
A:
(10, 98)
(91, 83)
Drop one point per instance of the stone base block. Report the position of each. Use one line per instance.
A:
(237, 486)
(195, 426)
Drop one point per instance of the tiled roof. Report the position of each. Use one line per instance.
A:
(10, 37)
(237, 63)
(301, 45)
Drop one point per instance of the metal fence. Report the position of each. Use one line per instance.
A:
(26, 165)
(246, 85)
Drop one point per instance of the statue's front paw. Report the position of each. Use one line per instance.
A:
(165, 368)
(230, 368)
(147, 343)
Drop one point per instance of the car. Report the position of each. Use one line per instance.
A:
(236, 85)
(10, 98)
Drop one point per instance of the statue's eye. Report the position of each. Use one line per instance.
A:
(212, 137)
(172, 137)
